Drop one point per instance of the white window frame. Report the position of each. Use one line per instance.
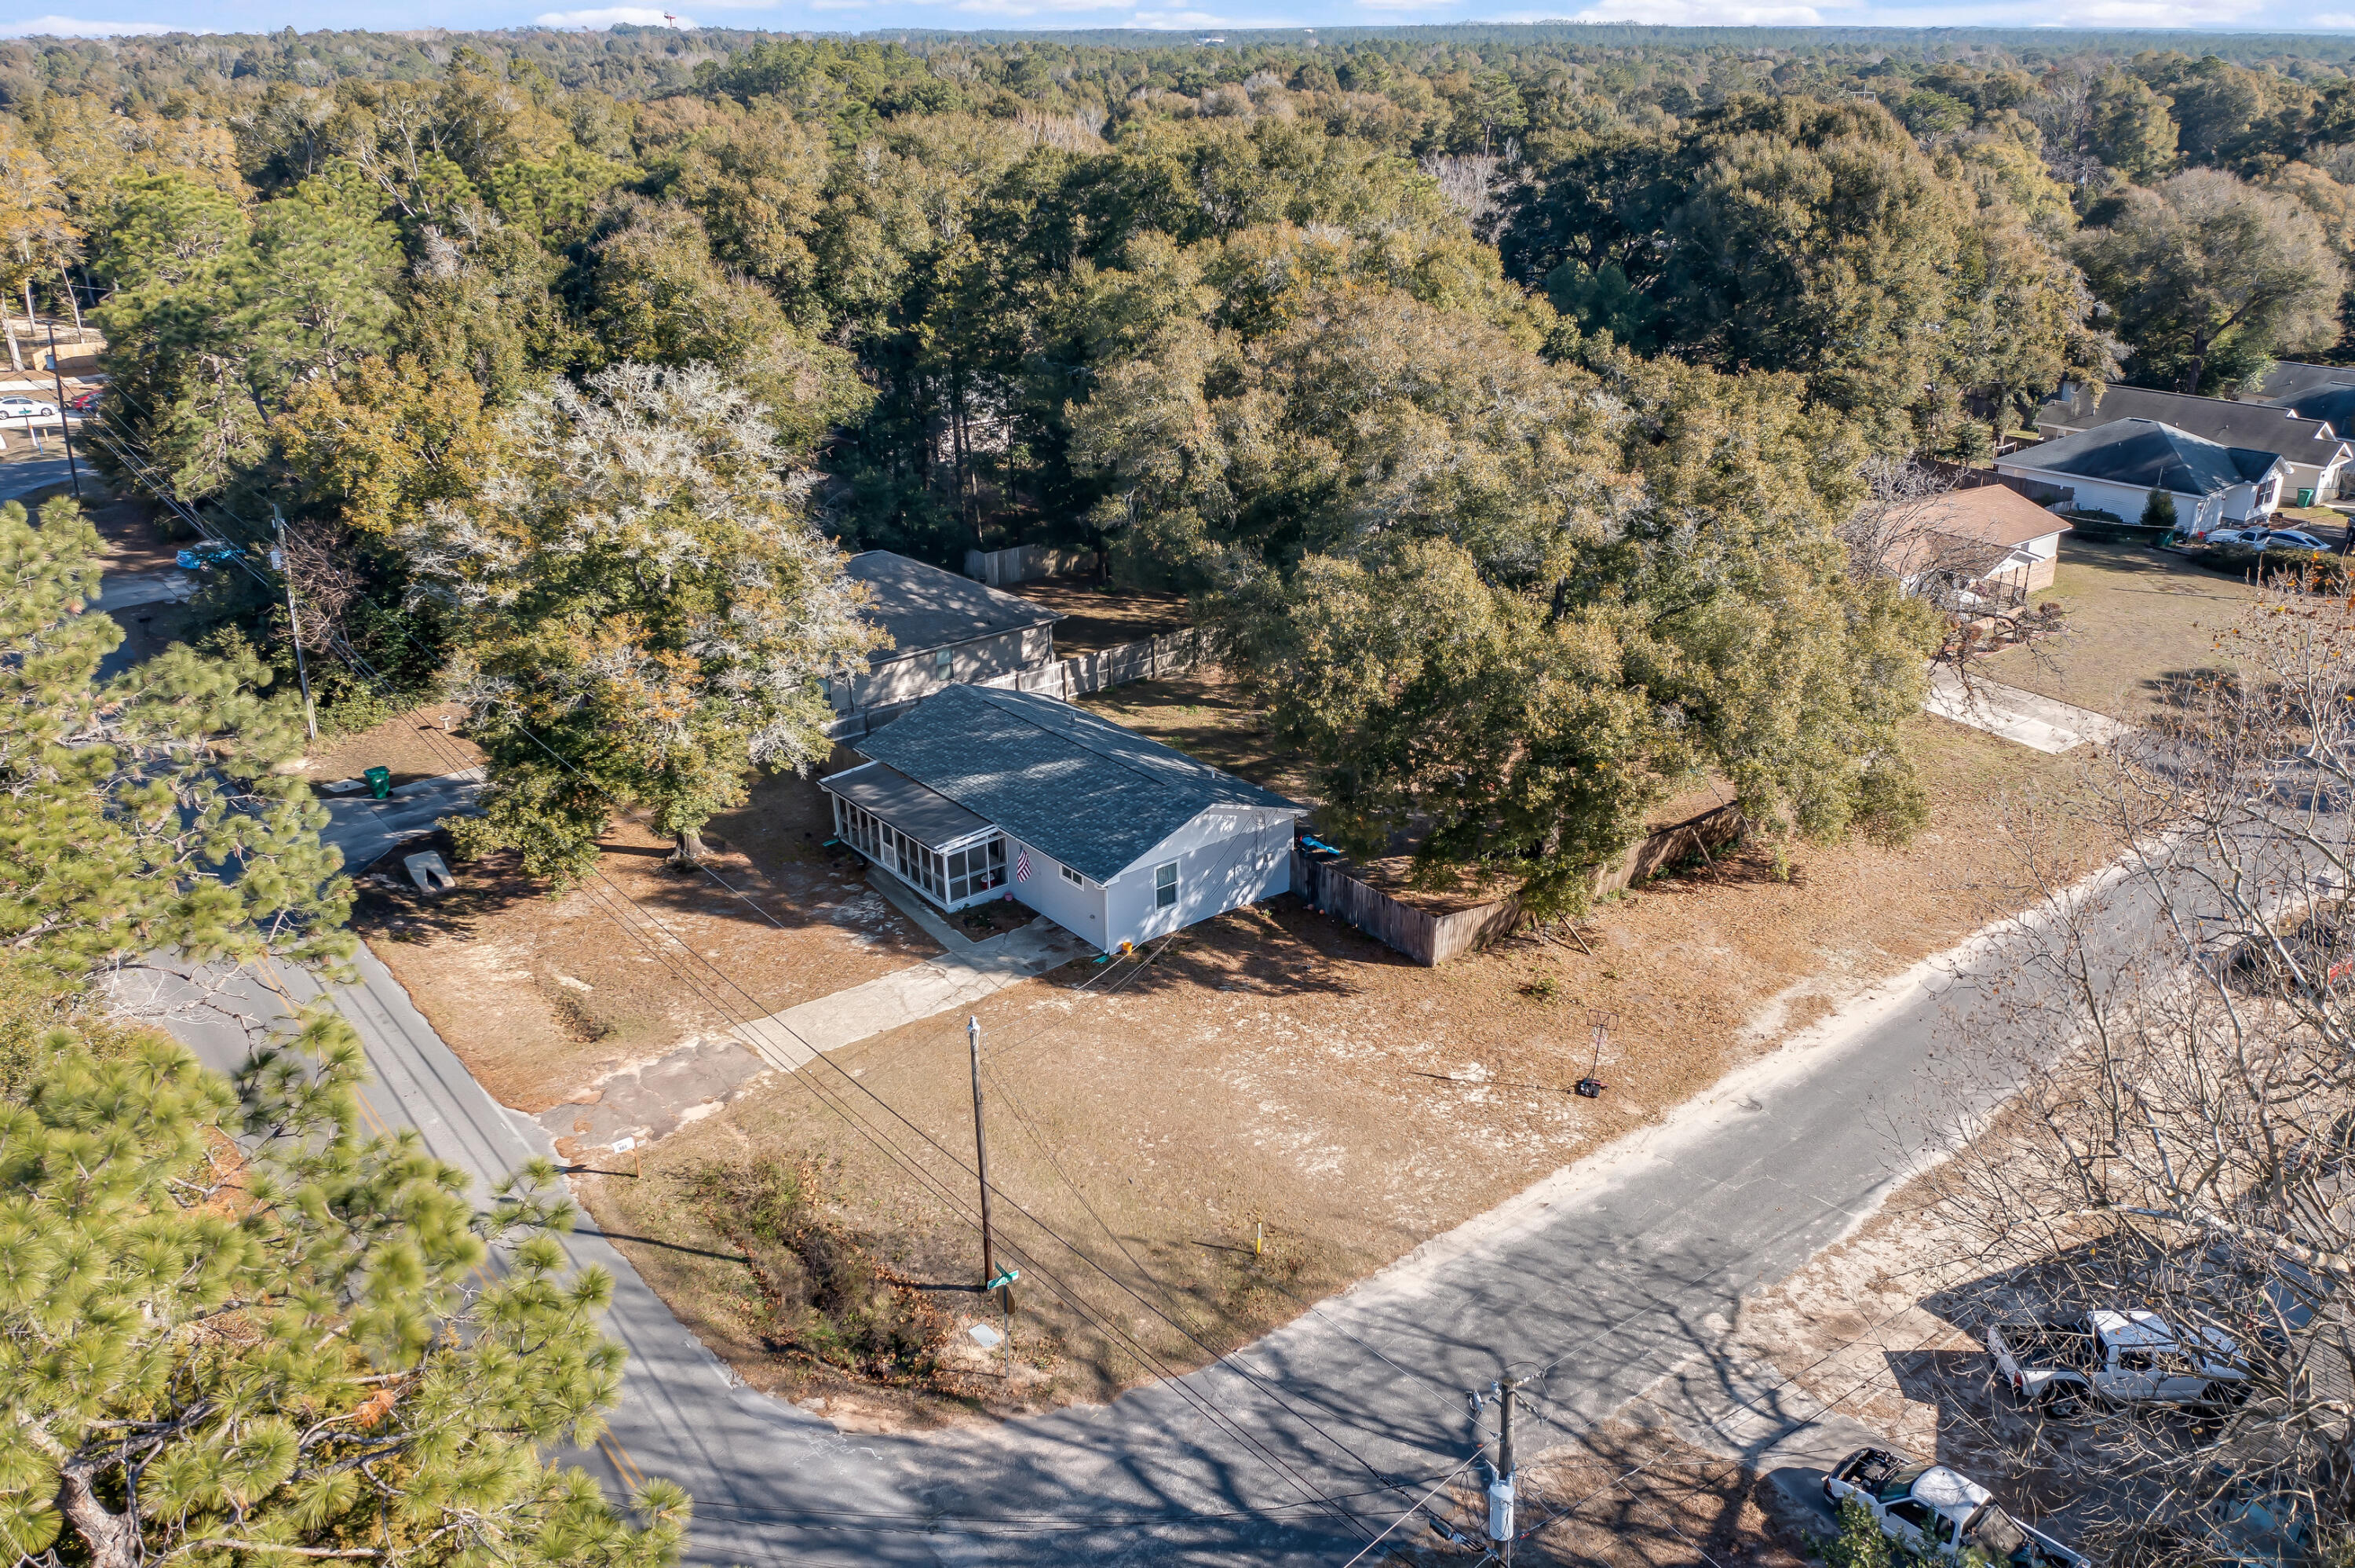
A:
(945, 664)
(1073, 878)
(1170, 887)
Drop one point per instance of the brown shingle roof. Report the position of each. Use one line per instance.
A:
(1987, 514)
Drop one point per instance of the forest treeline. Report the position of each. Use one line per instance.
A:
(1509, 395)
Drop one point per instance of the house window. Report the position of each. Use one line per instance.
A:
(943, 664)
(1073, 878)
(1165, 886)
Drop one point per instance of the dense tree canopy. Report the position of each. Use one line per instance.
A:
(1455, 324)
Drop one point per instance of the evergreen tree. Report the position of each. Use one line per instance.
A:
(145, 813)
(231, 1329)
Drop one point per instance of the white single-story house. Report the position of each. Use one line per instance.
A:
(945, 631)
(2317, 455)
(2114, 466)
(979, 793)
(2324, 392)
(1983, 538)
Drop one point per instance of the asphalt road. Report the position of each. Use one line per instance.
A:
(1299, 1449)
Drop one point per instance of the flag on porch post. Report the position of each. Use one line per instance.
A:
(1022, 866)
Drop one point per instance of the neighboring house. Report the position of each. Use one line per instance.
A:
(1987, 540)
(945, 631)
(2289, 383)
(2114, 466)
(977, 793)
(2318, 457)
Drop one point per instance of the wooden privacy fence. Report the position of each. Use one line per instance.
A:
(1024, 563)
(1176, 653)
(1431, 940)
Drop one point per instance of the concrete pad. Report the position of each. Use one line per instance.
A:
(646, 1101)
(123, 590)
(2040, 723)
(793, 1038)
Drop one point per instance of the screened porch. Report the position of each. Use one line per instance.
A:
(926, 840)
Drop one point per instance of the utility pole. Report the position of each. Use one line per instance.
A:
(310, 716)
(1500, 1486)
(65, 430)
(992, 1280)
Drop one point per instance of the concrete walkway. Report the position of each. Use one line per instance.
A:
(2042, 723)
(960, 977)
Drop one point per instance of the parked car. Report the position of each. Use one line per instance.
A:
(83, 402)
(17, 406)
(2118, 1358)
(2291, 539)
(198, 557)
(2254, 538)
(1939, 1512)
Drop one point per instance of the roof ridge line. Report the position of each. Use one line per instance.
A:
(1108, 757)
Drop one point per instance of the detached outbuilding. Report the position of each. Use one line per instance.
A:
(945, 631)
(1982, 540)
(977, 793)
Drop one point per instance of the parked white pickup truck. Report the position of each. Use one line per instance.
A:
(1940, 1514)
(2115, 1358)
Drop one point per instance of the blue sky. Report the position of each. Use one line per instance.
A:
(115, 17)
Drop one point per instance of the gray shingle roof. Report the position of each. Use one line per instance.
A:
(2143, 454)
(1091, 794)
(2261, 427)
(2334, 406)
(924, 815)
(924, 607)
(2289, 381)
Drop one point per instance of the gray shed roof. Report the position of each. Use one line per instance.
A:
(2261, 427)
(924, 815)
(924, 607)
(2145, 453)
(1091, 794)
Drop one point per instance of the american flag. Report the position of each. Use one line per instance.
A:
(1022, 866)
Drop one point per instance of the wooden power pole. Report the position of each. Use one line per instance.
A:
(991, 1280)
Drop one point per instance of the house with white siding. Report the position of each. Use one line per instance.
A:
(2317, 455)
(2114, 468)
(978, 793)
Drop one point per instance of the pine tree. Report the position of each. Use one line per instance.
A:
(230, 1329)
(146, 813)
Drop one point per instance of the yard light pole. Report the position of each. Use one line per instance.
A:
(992, 1280)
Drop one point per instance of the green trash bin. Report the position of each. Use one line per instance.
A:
(2306, 498)
(380, 781)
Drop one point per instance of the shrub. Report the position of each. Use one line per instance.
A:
(2158, 510)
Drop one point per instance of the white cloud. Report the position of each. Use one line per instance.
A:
(1702, 14)
(1189, 19)
(74, 27)
(2334, 19)
(610, 16)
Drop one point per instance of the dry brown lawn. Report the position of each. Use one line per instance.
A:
(1272, 1075)
(2139, 622)
(541, 996)
(1097, 618)
(1629, 1496)
(423, 742)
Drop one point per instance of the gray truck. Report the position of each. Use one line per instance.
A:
(2115, 1358)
